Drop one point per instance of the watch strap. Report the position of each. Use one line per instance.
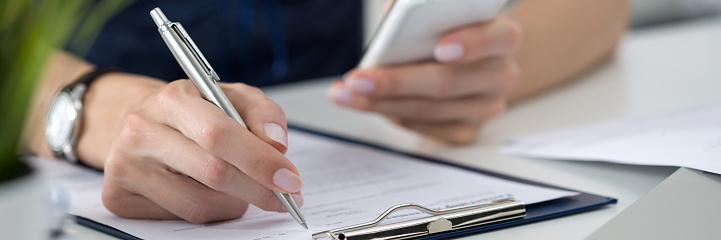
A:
(92, 75)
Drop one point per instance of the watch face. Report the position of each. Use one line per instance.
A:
(60, 122)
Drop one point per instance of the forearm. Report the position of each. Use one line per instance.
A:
(107, 102)
(562, 39)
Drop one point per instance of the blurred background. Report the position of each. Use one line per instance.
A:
(60, 16)
(649, 13)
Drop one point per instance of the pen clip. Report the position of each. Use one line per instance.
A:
(194, 49)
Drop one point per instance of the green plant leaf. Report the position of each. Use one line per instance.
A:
(29, 31)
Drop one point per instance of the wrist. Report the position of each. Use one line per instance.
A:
(64, 116)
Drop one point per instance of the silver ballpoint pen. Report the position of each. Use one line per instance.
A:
(206, 80)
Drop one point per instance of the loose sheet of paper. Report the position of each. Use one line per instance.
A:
(343, 184)
(689, 138)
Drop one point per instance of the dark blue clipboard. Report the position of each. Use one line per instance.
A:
(534, 212)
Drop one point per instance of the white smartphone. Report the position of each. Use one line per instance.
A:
(411, 28)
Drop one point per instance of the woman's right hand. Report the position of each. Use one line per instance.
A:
(169, 154)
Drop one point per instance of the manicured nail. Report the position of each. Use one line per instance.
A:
(341, 95)
(276, 132)
(449, 52)
(298, 199)
(287, 180)
(361, 85)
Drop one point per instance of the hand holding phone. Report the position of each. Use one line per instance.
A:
(447, 99)
(411, 28)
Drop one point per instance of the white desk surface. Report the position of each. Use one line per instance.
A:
(656, 70)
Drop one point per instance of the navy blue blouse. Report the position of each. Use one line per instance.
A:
(259, 42)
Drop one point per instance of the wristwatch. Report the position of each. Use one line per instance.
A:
(64, 120)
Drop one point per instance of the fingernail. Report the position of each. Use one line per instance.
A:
(449, 52)
(276, 132)
(298, 199)
(287, 180)
(361, 85)
(341, 95)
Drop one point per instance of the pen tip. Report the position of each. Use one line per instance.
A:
(304, 225)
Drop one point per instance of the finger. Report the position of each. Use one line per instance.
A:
(192, 201)
(187, 157)
(433, 80)
(499, 37)
(452, 132)
(179, 106)
(263, 117)
(339, 93)
(472, 110)
(174, 192)
(130, 205)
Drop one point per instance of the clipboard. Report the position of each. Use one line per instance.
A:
(531, 212)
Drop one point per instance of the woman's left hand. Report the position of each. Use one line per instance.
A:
(450, 98)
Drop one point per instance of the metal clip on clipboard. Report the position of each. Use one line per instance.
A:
(442, 220)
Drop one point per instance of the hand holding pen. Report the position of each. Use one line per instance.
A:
(170, 154)
(206, 80)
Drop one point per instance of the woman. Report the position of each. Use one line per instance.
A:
(151, 136)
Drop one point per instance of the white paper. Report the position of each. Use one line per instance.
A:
(343, 184)
(689, 138)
